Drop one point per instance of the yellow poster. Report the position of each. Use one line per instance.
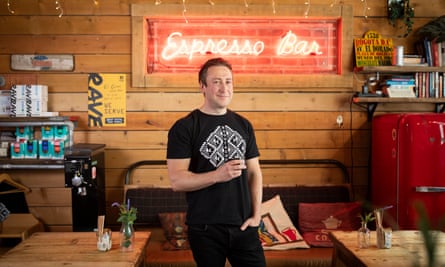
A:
(106, 100)
(373, 50)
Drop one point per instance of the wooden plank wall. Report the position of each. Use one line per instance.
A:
(295, 122)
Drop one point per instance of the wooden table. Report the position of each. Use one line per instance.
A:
(407, 250)
(45, 249)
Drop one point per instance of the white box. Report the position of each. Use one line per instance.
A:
(18, 109)
(37, 91)
(38, 106)
(5, 105)
(47, 114)
(18, 91)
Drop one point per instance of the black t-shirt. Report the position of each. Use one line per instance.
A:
(209, 141)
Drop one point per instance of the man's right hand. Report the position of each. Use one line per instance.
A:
(230, 170)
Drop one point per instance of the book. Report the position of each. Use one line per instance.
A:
(435, 54)
(400, 82)
(413, 59)
(428, 55)
(401, 91)
(442, 52)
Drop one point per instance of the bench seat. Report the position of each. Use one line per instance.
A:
(157, 257)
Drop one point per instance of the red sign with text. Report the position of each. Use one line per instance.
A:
(287, 46)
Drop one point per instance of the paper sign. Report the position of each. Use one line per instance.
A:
(106, 100)
(372, 50)
(42, 62)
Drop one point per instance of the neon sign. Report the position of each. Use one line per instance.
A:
(252, 45)
(177, 46)
(289, 45)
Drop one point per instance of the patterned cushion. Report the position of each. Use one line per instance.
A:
(276, 230)
(292, 195)
(175, 230)
(317, 219)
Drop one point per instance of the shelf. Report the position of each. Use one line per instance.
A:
(397, 69)
(40, 121)
(370, 103)
(52, 164)
(31, 164)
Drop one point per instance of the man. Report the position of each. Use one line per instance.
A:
(212, 155)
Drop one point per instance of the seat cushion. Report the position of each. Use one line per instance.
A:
(156, 256)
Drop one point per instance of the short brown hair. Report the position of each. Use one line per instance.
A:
(210, 63)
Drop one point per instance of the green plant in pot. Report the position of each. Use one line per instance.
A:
(433, 30)
(363, 233)
(401, 10)
(127, 216)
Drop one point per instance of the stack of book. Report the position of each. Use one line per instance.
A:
(414, 60)
(400, 86)
(432, 51)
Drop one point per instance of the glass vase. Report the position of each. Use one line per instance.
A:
(363, 236)
(127, 236)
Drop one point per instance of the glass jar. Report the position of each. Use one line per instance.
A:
(363, 236)
(127, 236)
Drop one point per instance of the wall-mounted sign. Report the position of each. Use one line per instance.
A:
(373, 50)
(42, 62)
(106, 100)
(269, 45)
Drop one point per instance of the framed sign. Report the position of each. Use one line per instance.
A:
(260, 45)
(373, 50)
(169, 45)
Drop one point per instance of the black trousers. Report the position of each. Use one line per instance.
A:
(213, 244)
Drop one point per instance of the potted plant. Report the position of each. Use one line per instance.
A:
(127, 216)
(433, 30)
(364, 234)
(401, 10)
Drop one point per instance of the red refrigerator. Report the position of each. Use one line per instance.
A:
(408, 165)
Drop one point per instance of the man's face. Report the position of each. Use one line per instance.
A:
(219, 89)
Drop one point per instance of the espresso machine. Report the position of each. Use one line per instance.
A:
(85, 175)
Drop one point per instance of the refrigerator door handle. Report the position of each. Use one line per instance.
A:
(430, 189)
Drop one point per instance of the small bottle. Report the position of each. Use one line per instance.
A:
(363, 236)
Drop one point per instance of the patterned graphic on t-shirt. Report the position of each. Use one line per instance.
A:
(223, 144)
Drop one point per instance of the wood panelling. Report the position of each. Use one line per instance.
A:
(70, 44)
(294, 117)
(65, 25)
(297, 139)
(249, 101)
(264, 120)
(49, 197)
(49, 200)
(52, 215)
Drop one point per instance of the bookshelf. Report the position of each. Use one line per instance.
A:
(370, 102)
(397, 69)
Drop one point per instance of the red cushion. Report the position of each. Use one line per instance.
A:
(317, 219)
